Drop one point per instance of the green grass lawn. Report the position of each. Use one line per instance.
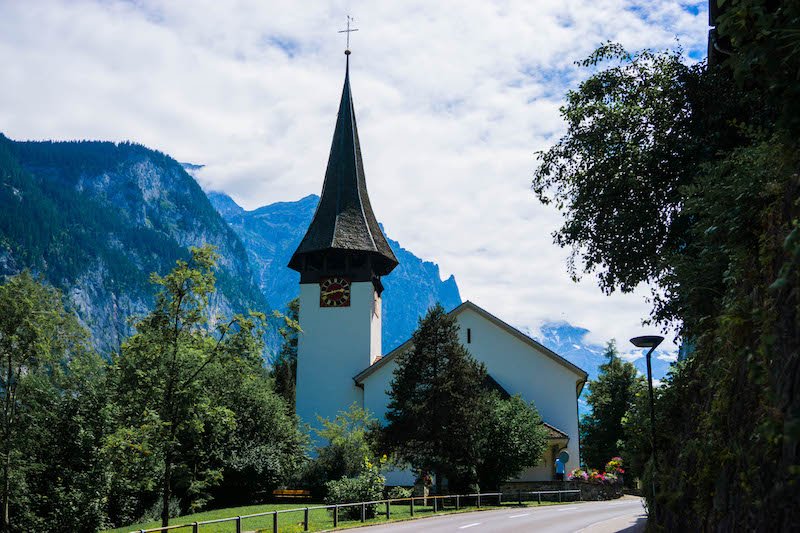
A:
(319, 519)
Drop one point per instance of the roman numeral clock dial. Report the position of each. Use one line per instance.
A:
(334, 292)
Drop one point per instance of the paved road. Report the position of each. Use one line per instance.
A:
(626, 514)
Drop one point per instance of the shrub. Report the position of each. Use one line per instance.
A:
(397, 493)
(367, 486)
(345, 443)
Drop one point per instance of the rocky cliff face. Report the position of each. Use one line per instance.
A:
(96, 218)
(271, 234)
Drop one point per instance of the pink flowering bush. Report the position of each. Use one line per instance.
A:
(594, 476)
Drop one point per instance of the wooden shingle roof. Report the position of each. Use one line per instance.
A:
(344, 219)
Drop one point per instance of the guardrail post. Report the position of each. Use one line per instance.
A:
(457, 502)
(195, 527)
(519, 496)
(434, 504)
(539, 495)
(335, 516)
(499, 498)
(479, 499)
(363, 512)
(412, 506)
(559, 496)
(305, 520)
(238, 524)
(275, 522)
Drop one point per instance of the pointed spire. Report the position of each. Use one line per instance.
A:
(344, 221)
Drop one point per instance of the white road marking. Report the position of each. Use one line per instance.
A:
(470, 525)
(519, 515)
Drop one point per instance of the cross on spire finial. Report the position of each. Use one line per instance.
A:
(348, 31)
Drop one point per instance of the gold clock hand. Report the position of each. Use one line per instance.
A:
(334, 291)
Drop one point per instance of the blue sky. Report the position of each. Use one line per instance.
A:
(452, 98)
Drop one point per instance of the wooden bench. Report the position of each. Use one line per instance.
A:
(291, 494)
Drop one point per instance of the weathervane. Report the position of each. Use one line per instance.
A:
(348, 31)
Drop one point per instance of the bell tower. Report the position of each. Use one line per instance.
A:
(341, 261)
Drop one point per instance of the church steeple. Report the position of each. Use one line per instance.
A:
(344, 236)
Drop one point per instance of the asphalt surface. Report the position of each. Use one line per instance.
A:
(626, 514)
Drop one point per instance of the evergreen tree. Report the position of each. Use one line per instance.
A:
(436, 407)
(611, 396)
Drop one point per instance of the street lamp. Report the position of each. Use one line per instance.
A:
(652, 342)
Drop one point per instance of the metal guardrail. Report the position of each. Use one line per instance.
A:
(460, 501)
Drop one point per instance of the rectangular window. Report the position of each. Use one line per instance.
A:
(469, 336)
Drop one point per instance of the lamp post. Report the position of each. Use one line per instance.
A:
(652, 342)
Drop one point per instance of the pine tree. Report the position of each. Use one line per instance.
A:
(436, 404)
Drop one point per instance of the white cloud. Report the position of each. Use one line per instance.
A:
(631, 356)
(452, 99)
(670, 357)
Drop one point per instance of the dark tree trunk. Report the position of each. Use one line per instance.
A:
(167, 490)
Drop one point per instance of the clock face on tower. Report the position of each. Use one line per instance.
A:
(334, 292)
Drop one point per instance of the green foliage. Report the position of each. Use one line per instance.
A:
(512, 438)
(284, 366)
(347, 443)
(183, 387)
(766, 39)
(436, 408)
(443, 419)
(266, 448)
(399, 493)
(687, 177)
(365, 487)
(636, 111)
(610, 397)
(52, 388)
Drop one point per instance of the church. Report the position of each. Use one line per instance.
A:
(341, 260)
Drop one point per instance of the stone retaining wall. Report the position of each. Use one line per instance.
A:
(589, 491)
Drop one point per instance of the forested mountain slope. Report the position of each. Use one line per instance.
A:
(96, 218)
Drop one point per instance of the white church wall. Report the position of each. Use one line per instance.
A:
(535, 376)
(519, 368)
(375, 348)
(376, 391)
(334, 346)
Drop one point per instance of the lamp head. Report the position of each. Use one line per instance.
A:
(647, 341)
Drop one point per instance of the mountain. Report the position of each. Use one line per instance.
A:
(96, 218)
(570, 342)
(271, 233)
